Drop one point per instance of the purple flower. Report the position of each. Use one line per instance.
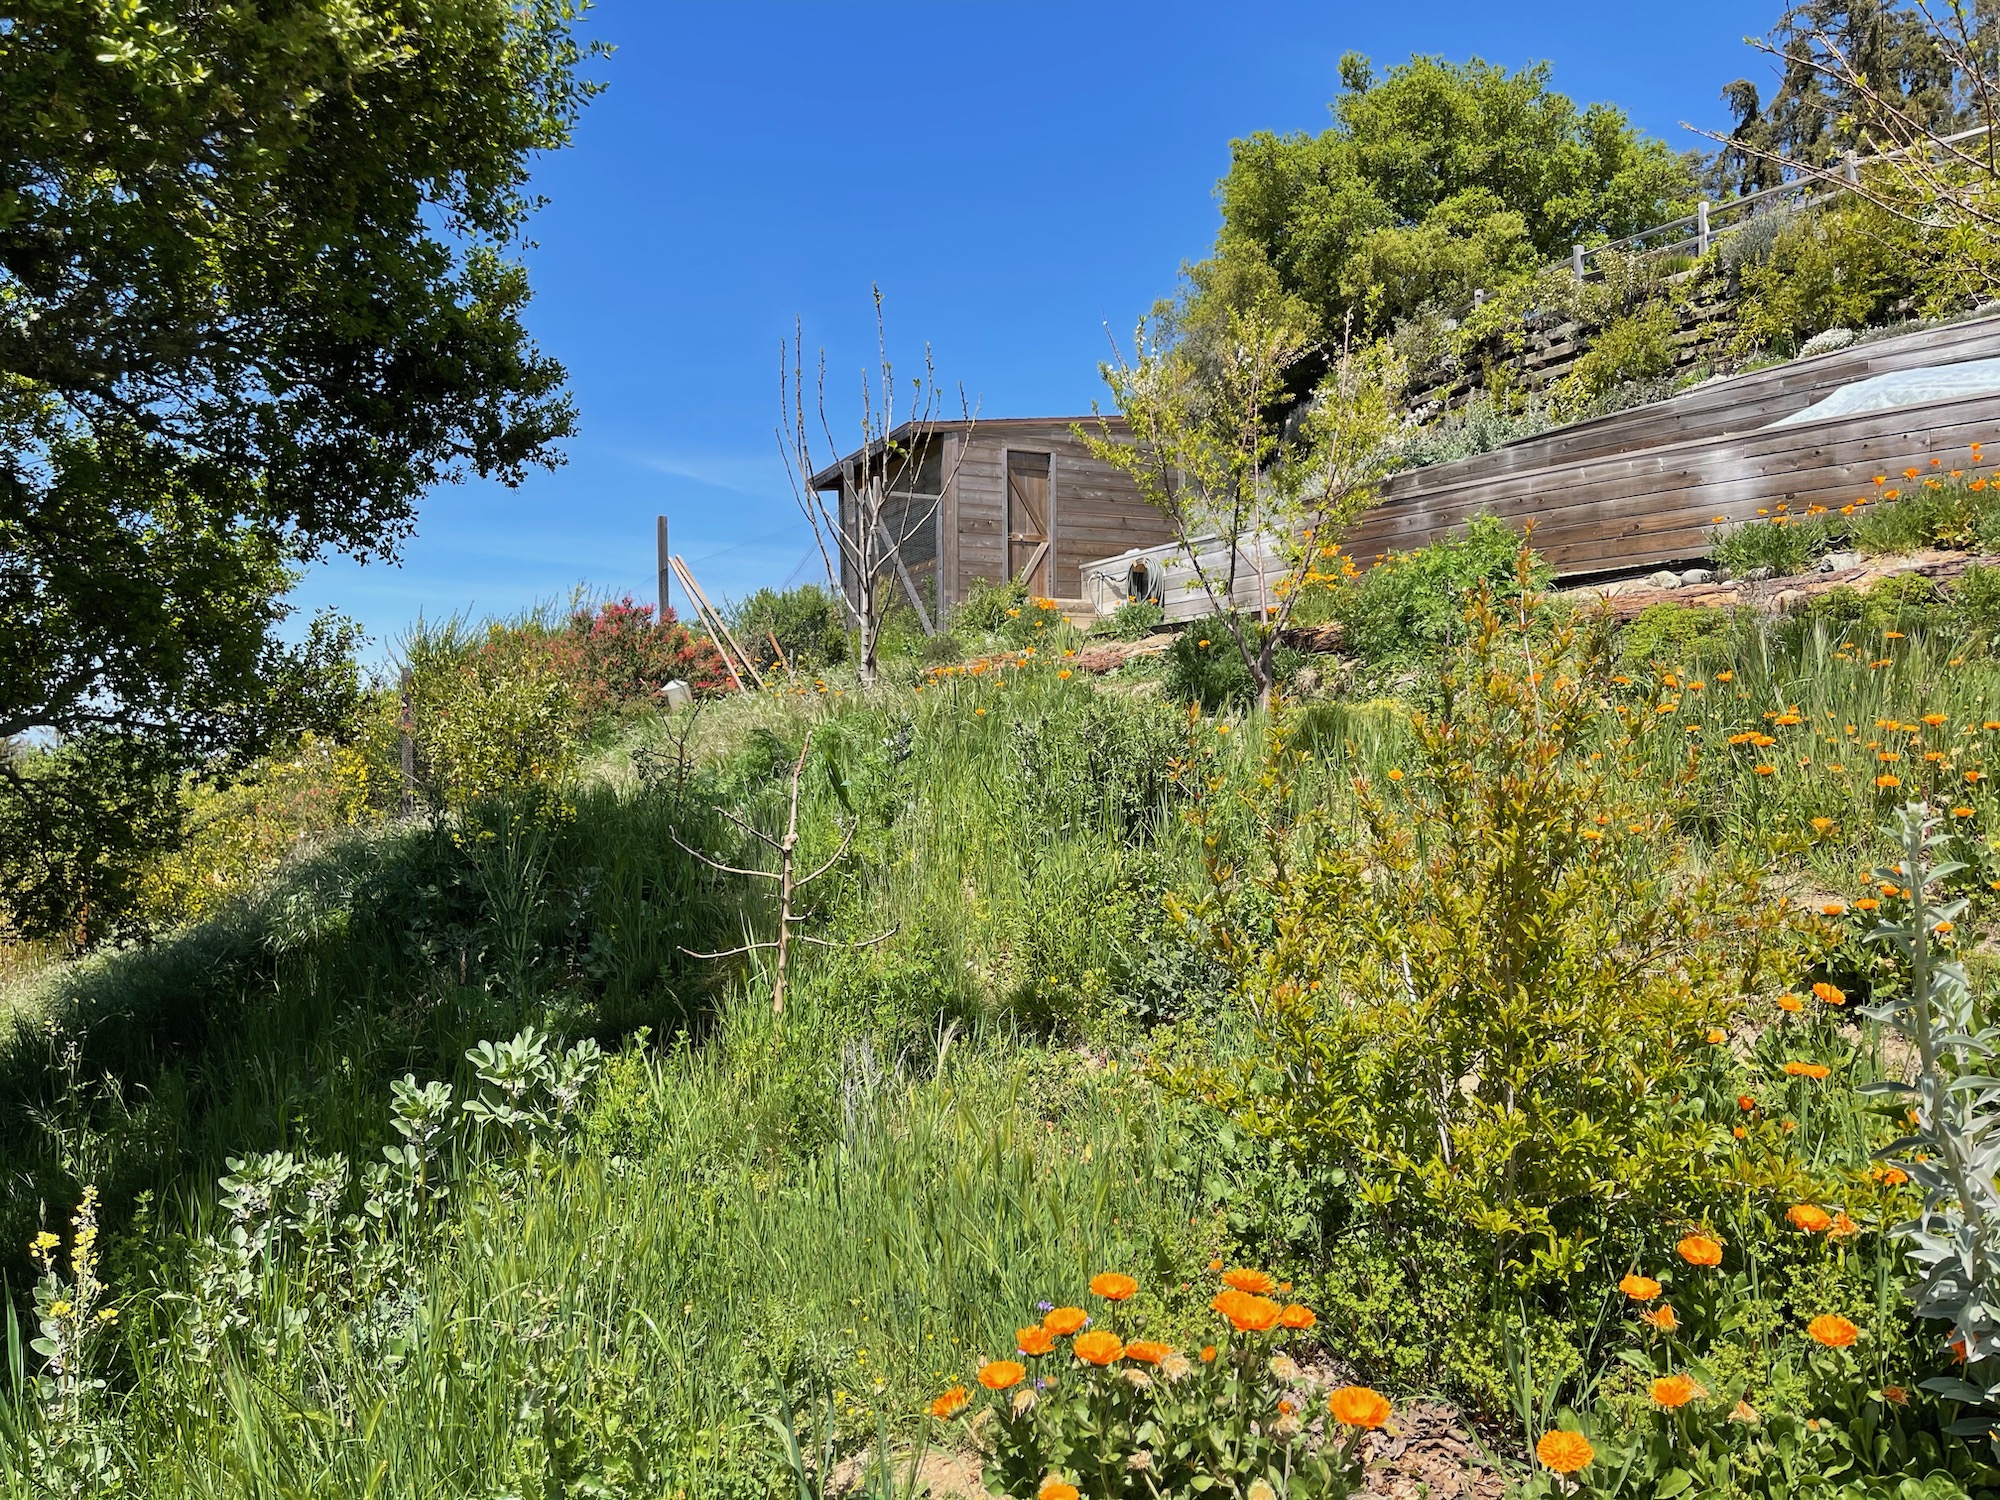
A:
(1046, 1306)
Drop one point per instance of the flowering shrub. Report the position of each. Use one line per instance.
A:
(614, 657)
(1096, 1413)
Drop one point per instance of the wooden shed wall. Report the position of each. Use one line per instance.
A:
(1096, 511)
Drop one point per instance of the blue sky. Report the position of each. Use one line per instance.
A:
(1016, 176)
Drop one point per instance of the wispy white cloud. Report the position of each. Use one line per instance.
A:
(760, 475)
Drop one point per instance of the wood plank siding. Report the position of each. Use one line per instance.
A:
(1094, 510)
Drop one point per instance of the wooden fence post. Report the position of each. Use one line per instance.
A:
(1576, 261)
(1701, 228)
(660, 538)
(407, 750)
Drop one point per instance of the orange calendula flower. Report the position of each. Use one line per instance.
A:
(1257, 1283)
(1056, 1489)
(1867, 903)
(1034, 1340)
(1833, 909)
(1895, 1395)
(1745, 1103)
(1639, 1288)
(1247, 1314)
(1832, 1330)
(1148, 1351)
(1297, 1316)
(951, 1403)
(1700, 1250)
(1814, 1071)
(1892, 1176)
(1662, 1317)
(1113, 1286)
(1675, 1391)
(1564, 1452)
(1358, 1406)
(1829, 994)
(1843, 1228)
(1961, 812)
(1716, 1036)
(1809, 1217)
(1888, 781)
(1098, 1347)
(1063, 1321)
(1791, 1003)
(1000, 1374)
(1208, 1354)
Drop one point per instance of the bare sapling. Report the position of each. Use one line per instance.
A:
(888, 490)
(789, 882)
(1207, 445)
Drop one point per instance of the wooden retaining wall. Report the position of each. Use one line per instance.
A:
(1644, 487)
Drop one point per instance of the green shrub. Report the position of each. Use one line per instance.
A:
(1951, 509)
(490, 715)
(809, 623)
(1675, 635)
(1637, 346)
(1785, 544)
(1847, 266)
(1203, 667)
(988, 608)
(1133, 619)
(1410, 604)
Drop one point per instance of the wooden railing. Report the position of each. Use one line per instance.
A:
(1697, 231)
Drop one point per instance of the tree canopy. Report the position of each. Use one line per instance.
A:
(259, 290)
(1434, 180)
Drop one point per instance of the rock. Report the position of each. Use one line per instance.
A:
(1788, 600)
(1834, 562)
(1756, 575)
(1698, 575)
(1827, 342)
(1663, 580)
(1614, 589)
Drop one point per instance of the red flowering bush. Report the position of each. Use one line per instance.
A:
(616, 656)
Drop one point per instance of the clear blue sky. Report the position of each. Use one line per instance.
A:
(1016, 176)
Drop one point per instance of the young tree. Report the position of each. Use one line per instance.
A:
(262, 290)
(1205, 443)
(883, 502)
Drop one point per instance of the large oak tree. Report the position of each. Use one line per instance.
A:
(259, 290)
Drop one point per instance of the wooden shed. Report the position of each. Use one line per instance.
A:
(1003, 498)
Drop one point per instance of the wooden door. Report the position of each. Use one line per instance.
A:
(1030, 532)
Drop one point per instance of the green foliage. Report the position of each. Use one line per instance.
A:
(1134, 619)
(1786, 544)
(809, 624)
(1435, 179)
(488, 716)
(1203, 667)
(1638, 346)
(1958, 509)
(1679, 635)
(1409, 605)
(1523, 951)
(201, 399)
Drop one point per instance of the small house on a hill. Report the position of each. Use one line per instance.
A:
(1009, 498)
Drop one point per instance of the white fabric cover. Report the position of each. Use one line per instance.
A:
(1972, 377)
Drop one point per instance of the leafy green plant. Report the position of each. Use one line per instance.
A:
(808, 624)
(1783, 543)
(1410, 605)
(1502, 1032)
(1133, 619)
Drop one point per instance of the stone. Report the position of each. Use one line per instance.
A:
(1756, 575)
(1834, 562)
(1698, 575)
(1663, 580)
(1789, 600)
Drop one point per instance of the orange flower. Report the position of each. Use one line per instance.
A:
(1843, 1228)
(1662, 1318)
(1791, 1004)
(1833, 909)
(1063, 1321)
(999, 1374)
(1809, 1217)
(1813, 1071)
(1828, 994)
(1215, 1265)
(1208, 1354)
(1056, 1489)
(1358, 1406)
(1892, 1176)
(1097, 1347)
(1148, 1351)
(1700, 1250)
(1296, 1316)
(1832, 1330)
(1255, 1282)
(1113, 1286)
(1639, 1288)
(951, 1403)
(1565, 1452)
(1675, 1391)
(1888, 781)
(1745, 1103)
(1247, 1314)
(1034, 1340)
(1717, 1036)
